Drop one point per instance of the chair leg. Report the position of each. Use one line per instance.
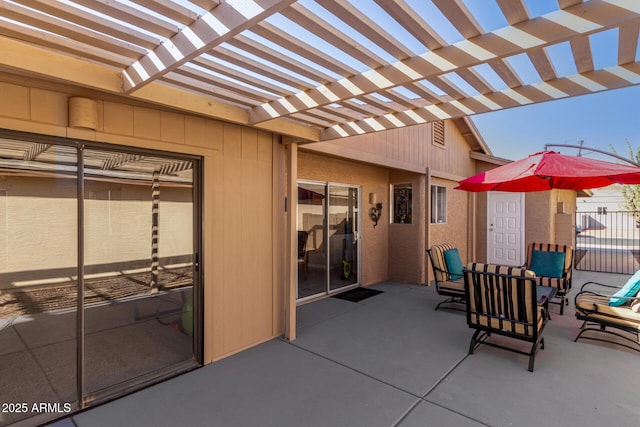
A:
(474, 341)
(534, 350)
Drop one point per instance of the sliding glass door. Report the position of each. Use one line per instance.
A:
(328, 246)
(343, 232)
(99, 280)
(139, 258)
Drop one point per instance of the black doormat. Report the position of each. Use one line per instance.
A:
(357, 294)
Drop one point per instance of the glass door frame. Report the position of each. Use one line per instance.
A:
(327, 249)
(87, 398)
(84, 398)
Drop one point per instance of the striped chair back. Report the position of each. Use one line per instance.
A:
(502, 298)
(436, 254)
(551, 247)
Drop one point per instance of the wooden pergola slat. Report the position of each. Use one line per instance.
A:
(461, 18)
(514, 10)
(54, 25)
(305, 50)
(542, 63)
(239, 61)
(171, 9)
(126, 13)
(93, 22)
(278, 58)
(581, 50)
(64, 45)
(475, 80)
(329, 33)
(214, 28)
(361, 22)
(540, 92)
(628, 43)
(413, 23)
(524, 37)
(242, 61)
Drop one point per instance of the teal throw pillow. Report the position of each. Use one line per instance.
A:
(453, 263)
(629, 290)
(547, 264)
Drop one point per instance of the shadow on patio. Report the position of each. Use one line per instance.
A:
(391, 360)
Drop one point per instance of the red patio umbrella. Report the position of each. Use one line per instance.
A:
(547, 170)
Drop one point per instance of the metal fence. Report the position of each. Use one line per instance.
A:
(607, 241)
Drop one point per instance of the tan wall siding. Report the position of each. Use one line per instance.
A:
(455, 230)
(239, 281)
(409, 148)
(454, 157)
(373, 179)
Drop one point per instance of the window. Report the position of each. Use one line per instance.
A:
(438, 204)
(602, 210)
(438, 132)
(402, 203)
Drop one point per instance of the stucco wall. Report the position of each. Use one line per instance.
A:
(372, 179)
(243, 290)
(38, 229)
(541, 208)
(455, 230)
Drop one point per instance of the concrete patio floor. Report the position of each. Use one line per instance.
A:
(392, 360)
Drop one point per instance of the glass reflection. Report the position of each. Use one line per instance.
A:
(38, 287)
(139, 266)
(311, 240)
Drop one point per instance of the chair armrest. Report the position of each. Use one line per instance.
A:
(600, 294)
(582, 288)
(444, 271)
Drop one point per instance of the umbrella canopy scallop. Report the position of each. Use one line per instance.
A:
(549, 170)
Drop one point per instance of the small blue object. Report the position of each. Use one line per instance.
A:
(453, 263)
(629, 290)
(547, 264)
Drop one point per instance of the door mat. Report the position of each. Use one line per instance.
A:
(357, 294)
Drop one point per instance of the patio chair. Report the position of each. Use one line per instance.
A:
(303, 256)
(553, 265)
(603, 306)
(449, 281)
(502, 300)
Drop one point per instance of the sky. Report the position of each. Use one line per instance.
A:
(600, 120)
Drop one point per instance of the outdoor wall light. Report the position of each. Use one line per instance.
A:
(376, 211)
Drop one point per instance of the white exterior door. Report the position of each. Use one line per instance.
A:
(505, 228)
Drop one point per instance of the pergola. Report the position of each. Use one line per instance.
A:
(316, 70)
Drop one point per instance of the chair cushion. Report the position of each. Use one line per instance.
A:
(547, 263)
(629, 290)
(456, 287)
(454, 263)
(594, 305)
